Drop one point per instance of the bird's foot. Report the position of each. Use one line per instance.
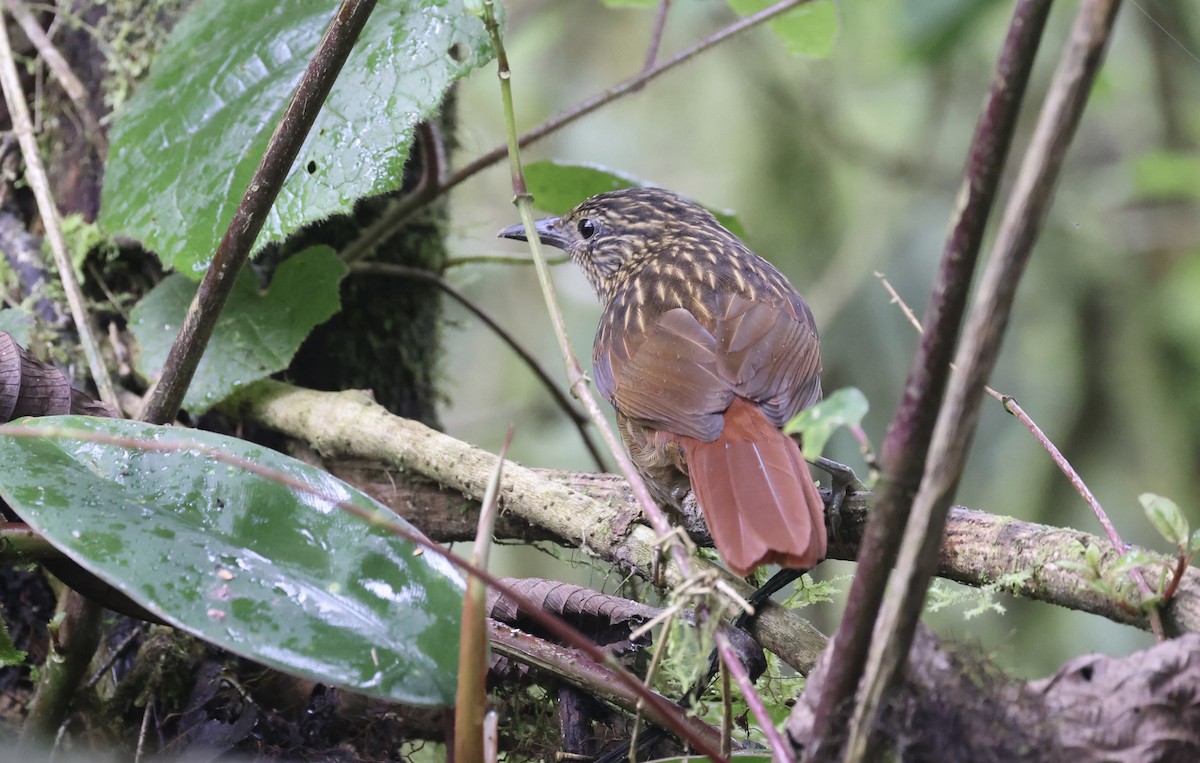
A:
(842, 482)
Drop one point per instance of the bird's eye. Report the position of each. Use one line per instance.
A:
(587, 228)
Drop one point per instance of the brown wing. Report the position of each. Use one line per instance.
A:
(666, 376)
(680, 375)
(770, 354)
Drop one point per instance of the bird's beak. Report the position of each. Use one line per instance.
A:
(546, 229)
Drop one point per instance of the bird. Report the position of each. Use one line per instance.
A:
(705, 350)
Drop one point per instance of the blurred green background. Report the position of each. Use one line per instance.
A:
(849, 165)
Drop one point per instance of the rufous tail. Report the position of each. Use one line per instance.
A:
(757, 495)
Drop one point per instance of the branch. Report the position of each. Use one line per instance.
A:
(180, 366)
(978, 548)
(570, 665)
(907, 440)
(424, 475)
(35, 174)
(959, 416)
(62, 72)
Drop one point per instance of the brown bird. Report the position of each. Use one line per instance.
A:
(705, 350)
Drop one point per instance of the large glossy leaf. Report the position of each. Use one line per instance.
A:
(257, 333)
(184, 147)
(275, 574)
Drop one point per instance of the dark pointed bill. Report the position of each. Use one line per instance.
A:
(546, 231)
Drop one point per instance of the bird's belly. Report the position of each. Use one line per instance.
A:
(659, 458)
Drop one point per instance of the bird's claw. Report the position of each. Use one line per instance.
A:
(842, 482)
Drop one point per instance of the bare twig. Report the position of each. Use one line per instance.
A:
(167, 395)
(404, 208)
(780, 751)
(61, 71)
(498, 259)
(1010, 404)
(577, 379)
(35, 174)
(957, 420)
(660, 23)
(404, 271)
(565, 663)
(907, 440)
(471, 696)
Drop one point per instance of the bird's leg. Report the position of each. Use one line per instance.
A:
(842, 482)
(774, 584)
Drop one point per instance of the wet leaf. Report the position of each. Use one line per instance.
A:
(257, 333)
(185, 146)
(275, 574)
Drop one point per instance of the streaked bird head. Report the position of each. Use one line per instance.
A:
(612, 233)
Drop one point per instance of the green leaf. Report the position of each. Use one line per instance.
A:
(844, 408)
(631, 3)
(1166, 517)
(808, 30)
(558, 187)
(184, 147)
(1194, 544)
(278, 575)
(1127, 561)
(256, 335)
(1167, 175)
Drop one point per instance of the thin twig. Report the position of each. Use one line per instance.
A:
(577, 379)
(905, 446)
(495, 259)
(471, 695)
(1024, 214)
(62, 72)
(167, 395)
(780, 751)
(405, 271)
(35, 174)
(404, 208)
(1012, 406)
(660, 23)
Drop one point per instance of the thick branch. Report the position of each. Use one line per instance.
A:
(978, 548)
(426, 476)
